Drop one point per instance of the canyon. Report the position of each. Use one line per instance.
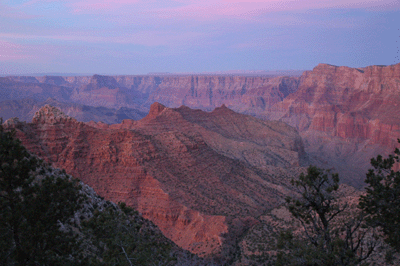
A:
(244, 94)
(199, 176)
(205, 157)
(344, 115)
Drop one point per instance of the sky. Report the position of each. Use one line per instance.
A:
(130, 37)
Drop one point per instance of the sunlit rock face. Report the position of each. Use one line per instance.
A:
(202, 177)
(345, 115)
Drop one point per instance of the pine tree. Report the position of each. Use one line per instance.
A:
(120, 240)
(326, 239)
(382, 198)
(34, 205)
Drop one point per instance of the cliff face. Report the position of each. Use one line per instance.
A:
(172, 167)
(243, 94)
(250, 95)
(345, 113)
(13, 89)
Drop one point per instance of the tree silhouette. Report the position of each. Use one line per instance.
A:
(382, 199)
(34, 204)
(330, 236)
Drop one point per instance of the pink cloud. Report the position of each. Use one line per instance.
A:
(11, 52)
(248, 9)
(100, 5)
(213, 9)
(145, 37)
(15, 52)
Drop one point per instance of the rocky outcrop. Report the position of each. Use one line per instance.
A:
(241, 137)
(166, 167)
(24, 109)
(346, 115)
(50, 115)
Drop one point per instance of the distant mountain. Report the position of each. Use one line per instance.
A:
(250, 95)
(24, 109)
(61, 74)
(252, 73)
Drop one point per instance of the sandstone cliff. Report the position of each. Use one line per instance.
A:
(194, 188)
(346, 115)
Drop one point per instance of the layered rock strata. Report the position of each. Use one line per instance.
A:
(172, 167)
(250, 95)
(345, 115)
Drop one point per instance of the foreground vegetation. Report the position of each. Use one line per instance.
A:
(328, 223)
(49, 218)
(334, 234)
(330, 234)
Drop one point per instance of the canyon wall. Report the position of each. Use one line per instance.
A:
(345, 115)
(250, 95)
(205, 177)
(196, 175)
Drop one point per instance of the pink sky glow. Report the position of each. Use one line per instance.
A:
(140, 36)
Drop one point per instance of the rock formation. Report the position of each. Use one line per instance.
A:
(24, 109)
(244, 94)
(345, 115)
(194, 174)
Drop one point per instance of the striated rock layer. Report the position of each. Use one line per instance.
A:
(198, 176)
(250, 95)
(345, 115)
